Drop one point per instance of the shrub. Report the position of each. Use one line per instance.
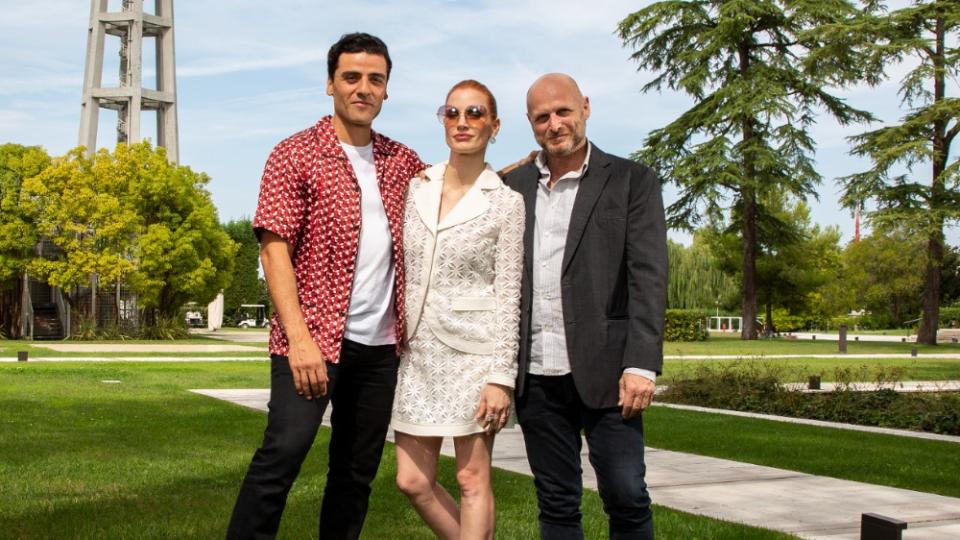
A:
(758, 387)
(685, 325)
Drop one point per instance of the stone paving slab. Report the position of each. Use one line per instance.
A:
(806, 505)
(841, 356)
(146, 347)
(239, 336)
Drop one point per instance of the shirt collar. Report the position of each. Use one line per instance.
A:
(330, 143)
(541, 163)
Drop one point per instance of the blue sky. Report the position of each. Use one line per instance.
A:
(252, 72)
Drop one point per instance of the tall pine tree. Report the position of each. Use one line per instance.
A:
(925, 33)
(747, 133)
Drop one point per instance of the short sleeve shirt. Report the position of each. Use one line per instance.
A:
(309, 196)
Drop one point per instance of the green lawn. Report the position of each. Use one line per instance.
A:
(80, 458)
(917, 464)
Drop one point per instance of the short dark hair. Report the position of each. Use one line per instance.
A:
(357, 42)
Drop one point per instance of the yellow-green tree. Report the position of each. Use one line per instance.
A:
(18, 235)
(180, 252)
(131, 215)
(81, 205)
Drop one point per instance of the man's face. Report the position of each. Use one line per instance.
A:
(358, 87)
(558, 115)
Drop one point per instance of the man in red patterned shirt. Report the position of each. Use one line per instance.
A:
(329, 221)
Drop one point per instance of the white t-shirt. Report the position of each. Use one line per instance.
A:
(370, 319)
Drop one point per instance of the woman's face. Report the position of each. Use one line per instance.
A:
(467, 121)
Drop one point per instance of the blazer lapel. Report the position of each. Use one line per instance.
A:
(591, 185)
(427, 197)
(473, 203)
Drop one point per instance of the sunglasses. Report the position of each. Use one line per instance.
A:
(448, 114)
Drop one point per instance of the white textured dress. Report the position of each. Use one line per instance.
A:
(462, 303)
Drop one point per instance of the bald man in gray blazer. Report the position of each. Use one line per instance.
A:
(593, 299)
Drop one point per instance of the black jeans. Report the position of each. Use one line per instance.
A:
(361, 391)
(552, 416)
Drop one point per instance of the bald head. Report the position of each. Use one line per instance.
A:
(554, 83)
(558, 114)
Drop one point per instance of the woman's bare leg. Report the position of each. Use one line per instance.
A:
(417, 479)
(477, 511)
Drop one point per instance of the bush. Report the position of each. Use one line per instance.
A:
(164, 327)
(685, 325)
(758, 387)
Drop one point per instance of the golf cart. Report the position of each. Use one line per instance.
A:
(252, 316)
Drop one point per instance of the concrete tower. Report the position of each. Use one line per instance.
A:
(131, 25)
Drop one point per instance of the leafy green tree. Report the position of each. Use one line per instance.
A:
(884, 270)
(180, 253)
(80, 204)
(926, 31)
(131, 215)
(696, 282)
(18, 237)
(245, 287)
(747, 133)
(795, 258)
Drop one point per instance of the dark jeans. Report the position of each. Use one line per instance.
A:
(361, 390)
(552, 416)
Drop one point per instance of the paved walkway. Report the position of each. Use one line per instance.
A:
(258, 335)
(947, 356)
(145, 347)
(802, 504)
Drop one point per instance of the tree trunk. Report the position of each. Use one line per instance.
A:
(768, 327)
(10, 310)
(930, 321)
(748, 308)
(748, 198)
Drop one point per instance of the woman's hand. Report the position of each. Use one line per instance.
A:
(494, 409)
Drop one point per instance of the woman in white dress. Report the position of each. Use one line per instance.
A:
(463, 259)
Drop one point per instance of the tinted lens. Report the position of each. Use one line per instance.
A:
(475, 112)
(449, 114)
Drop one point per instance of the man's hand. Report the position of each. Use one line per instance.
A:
(494, 409)
(636, 394)
(309, 369)
(530, 158)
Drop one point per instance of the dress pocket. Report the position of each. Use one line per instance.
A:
(473, 304)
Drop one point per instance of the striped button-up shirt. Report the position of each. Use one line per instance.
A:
(548, 353)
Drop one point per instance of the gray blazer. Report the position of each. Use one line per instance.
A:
(614, 277)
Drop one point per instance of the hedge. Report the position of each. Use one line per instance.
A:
(685, 325)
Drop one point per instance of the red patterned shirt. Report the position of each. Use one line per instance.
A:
(309, 196)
